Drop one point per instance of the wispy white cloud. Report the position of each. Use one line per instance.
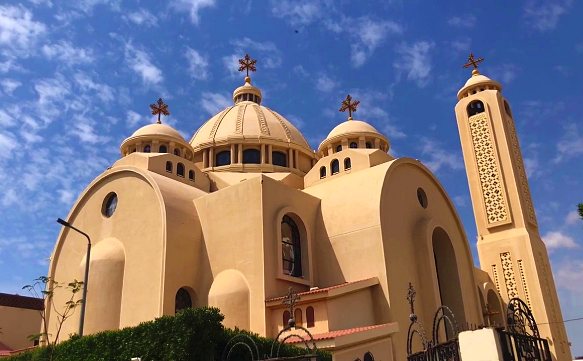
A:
(141, 17)
(6, 120)
(140, 62)
(197, 64)
(461, 45)
(268, 54)
(133, 119)
(67, 53)
(505, 73)
(7, 144)
(84, 129)
(573, 218)
(103, 91)
(325, 84)
(298, 12)
(10, 85)
(464, 21)
(570, 145)
(373, 109)
(569, 276)
(436, 157)
(558, 239)
(212, 103)
(415, 61)
(545, 15)
(18, 30)
(192, 7)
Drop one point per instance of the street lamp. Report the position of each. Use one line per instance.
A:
(68, 225)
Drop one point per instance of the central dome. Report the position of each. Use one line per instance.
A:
(249, 137)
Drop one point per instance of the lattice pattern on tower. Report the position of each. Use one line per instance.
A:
(521, 171)
(509, 278)
(523, 280)
(488, 170)
(496, 279)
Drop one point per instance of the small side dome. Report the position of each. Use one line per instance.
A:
(477, 83)
(156, 138)
(353, 134)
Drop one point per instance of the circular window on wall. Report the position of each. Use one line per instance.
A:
(109, 204)
(422, 197)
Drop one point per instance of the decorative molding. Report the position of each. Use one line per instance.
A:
(261, 118)
(240, 114)
(524, 284)
(493, 192)
(519, 163)
(284, 126)
(509, 278)
(217, 123)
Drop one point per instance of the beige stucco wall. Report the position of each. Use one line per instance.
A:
(16, 325)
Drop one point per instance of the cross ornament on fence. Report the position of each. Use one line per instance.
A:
(159, 109)
(290, 300)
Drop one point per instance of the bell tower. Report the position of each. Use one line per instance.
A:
(509, 244)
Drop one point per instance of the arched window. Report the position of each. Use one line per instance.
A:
(339, 147)
(169, 167)
(177, 152)
(353, 145)
(368, 145)
(223, 158)
(180, 169)
(133, 150)
(368, 357)
(182, 300)
(252, 156)
(191, 175)
(475, 107)
(347, 164)
(298, 316)
(291, 251)
(147, 148)
(286, 317)
(163, 149)
(279, 158)
(322, 172)
(334, 166)
(310, 316)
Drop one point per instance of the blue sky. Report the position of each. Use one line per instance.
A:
(76, 78)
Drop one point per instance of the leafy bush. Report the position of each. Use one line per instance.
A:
(194, 334)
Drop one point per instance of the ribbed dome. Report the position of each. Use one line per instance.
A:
(352, 129)
(249, 121)
(154, 136)
(479, 81)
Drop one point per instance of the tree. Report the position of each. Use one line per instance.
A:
(580, 208)
(44, 288)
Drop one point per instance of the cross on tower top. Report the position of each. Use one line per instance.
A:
(290, 300)
(160, 108)
(247, 64)
(472, 61)
(350, 105)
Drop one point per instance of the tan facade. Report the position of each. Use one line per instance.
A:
(19, 319)
(247, 210)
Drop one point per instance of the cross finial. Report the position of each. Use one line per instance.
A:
(472, 61)
(247, 64)
(350, 105)
(411, 299)
(159, 109)
(290, 300)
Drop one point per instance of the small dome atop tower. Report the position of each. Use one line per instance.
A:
(477, 82)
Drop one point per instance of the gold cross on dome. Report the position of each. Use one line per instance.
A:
(350, 105)
(160, 108)
(247, 64)
(290, 300)
(473, 61)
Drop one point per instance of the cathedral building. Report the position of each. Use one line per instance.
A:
(247, 209)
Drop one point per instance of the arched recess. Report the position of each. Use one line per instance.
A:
(230, 294)
(104, 288)
(482, 302)
(494, 309)
(448, 279)
(182, 299)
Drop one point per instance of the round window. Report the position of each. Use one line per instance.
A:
(422, 197)
(109, 204)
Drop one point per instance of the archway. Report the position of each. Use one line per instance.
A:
(494, 309)
(446, 269)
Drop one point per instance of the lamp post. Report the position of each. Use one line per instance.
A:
(86, 279)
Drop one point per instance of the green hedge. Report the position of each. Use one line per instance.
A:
(194, 334)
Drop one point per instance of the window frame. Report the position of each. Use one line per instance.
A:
(306, 242)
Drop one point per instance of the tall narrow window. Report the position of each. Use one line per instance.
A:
(286, 317)
(191, 175)
(298, 317)
(252, 156)
(169, 167)
(223, 158)
(163, 149)
(322, 172)
(368, 145)
(310, 316)
(177, 152)
(368, 357)
(291, 251)
(180, 169)
(475, 107)
(279, 158)
(339, 148)
(182, 300)
(347, 163)
(147, 148)
(353, 145)
(335, 166)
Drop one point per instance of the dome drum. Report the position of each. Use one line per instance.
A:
(157, 138)
(353, 134)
